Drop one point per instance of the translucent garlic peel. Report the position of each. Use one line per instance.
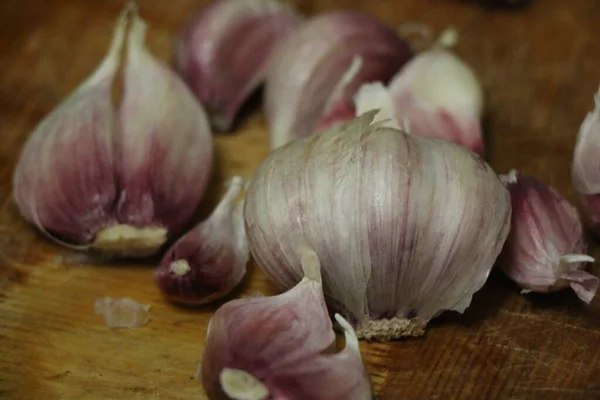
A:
(545, 250)
(122, 313)
(210, 260)
(393, 256)
(311, 66)
(278, 344)
(225, 50)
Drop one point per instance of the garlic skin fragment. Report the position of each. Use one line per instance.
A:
(210, 260)
(276, 347)
(546, 249)
(405, 227)
(585, 172)
(132, 178)
(440, 97)
(122, 313)
(225, 50)
(315, 71)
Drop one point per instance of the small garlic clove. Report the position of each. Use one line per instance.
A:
(71, 197)
(545, 249)
(275, 347)
(210, 260)
(312, 71)
(224, 52)
(165, 156)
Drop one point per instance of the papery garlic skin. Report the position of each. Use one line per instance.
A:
(225, 50)
(585, 170)
(275, 347)
(440, 97)
(210, 260)
(312, 71)
(118, 182)
(405, 227)
(546, 249)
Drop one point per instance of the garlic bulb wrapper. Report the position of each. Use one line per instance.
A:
(132, 177)
(546, 249)
(404, 227)
(586, 167)
(210, 260)
(279, 347)
(321, 65)
(224, 52)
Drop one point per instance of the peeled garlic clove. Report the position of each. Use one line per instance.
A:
(546, 249)
(586, 167)
(393, 256)
(275, 347)
(165, 156)
(210, 260)
(440, 97)
(225, 50)
(64, 179)
(310, 67)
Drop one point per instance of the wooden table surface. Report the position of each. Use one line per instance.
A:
(539, 66)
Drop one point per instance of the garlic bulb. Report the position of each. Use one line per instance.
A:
(277, 347)
(132, 177)
(319, 67)
(440, 97)
(405, 227)
(210, 260)
(224, 51)
(586, 167)
(545, 250)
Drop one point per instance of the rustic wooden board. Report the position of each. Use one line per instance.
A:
(539, 67)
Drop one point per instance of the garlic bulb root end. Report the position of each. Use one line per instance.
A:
(127, 240)
(393, 328)
(180, 267)
(240, 385)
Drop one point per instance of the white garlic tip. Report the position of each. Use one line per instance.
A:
(575, 258)
(349, 333)
(122, 313)
(234, 188)
(509, 178)
(180, 267)
(240, 385)
(448, 38)
(374, 96)
(585, 178)
(353, 70)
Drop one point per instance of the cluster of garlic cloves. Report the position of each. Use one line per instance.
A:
(279, 347)
(210, 260)
(121, 180)
(546, 249)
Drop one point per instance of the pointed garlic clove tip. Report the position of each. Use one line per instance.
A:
(240, 385)
(375, 96)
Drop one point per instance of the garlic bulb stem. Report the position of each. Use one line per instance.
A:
(240, 385)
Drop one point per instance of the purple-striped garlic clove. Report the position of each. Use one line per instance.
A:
(545, 250)
(225, 50)
(318, 69)
(279, 347)
(122, 182)
(210, 260)
(586, 167)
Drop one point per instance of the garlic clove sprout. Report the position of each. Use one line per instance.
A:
(394, 256)
(224, 52)
(546, 249)
(276, 347)
(210, 260)
(313, 73)
(586, 167)
(440, 97)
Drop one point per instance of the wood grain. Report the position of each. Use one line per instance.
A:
(540, 67)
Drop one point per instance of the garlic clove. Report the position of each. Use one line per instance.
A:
(315, 62)
(225, 50)
(210, 260)
(165, 156)
(545, 250)
(71, 198)
(274, 347)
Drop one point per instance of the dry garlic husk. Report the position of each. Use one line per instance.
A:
(438, 96)
(119, 181)
(586, 167)
(546, 249)
(280, 347)
(317, 70)
(210, 260)
(224, 52)
(405, 227)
